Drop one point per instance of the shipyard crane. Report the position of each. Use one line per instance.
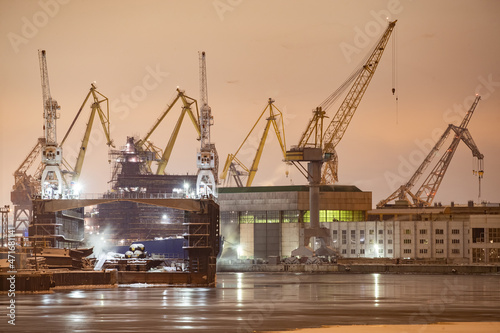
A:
(207, 157)
(427, 191)
(317, 147)
(315, 137)
(98, 100)
(52, 181)
(152, 152)
(26, 187)
(235, 168)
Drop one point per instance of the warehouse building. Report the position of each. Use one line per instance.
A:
(262, 222)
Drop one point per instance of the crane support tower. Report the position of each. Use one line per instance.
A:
(52, 182)
(427, 191)
(235, 168)
(207, 158)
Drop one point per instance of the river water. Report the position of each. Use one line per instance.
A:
(247, 302)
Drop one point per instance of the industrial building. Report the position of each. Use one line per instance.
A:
(269, 221)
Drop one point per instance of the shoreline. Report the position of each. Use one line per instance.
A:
(441, 327)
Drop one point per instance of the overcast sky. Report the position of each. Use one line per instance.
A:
(297, 52)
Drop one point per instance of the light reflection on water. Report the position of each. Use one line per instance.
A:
(247, 302)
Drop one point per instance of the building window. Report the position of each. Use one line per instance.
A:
(371, 241)
(246, 217)
(494, 235)
(353, 251)
(381, 232)
(381, 241)
(407, 241)
(407, 231)
(361, 251)
(439, 251)
(423, 231)
(380, 251)
(407, 251)
(455, 251)
(344, 236)
(359, 215)
(389, 232)
(455, 241)
(335, 236)
(361, 237)
(478, 235)
(478, 255)
(290, 216)
(346, 215)
(389, 251)
(455, 231)
(423, 251)
(439, 241)
(306, 217)
(353, 236)
(273, 216)
(372, 232)
(424, 241)
(229, 217)
(389, 241)
(260, 217)
(439, 231)
(344, 251)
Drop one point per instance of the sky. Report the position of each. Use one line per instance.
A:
(295, 51)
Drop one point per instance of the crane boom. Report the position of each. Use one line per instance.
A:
(338, 125)
(186, 108)
(427, 191)
(232, 161)
(152, 153)
(314, 139)
(207, 157)
(50, 105)
(53, 185)
(98, 99)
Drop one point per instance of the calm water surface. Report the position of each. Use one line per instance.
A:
(247, 302)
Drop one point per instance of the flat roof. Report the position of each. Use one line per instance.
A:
(288, 188)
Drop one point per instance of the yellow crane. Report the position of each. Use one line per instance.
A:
(96, 108)
(317, 147)
(162, 157)
(27, 186)
(235, 168)
(326, 140)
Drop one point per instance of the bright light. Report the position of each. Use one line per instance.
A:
(239, 250)
(164, 216)
(186, 186)
(77, 188)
